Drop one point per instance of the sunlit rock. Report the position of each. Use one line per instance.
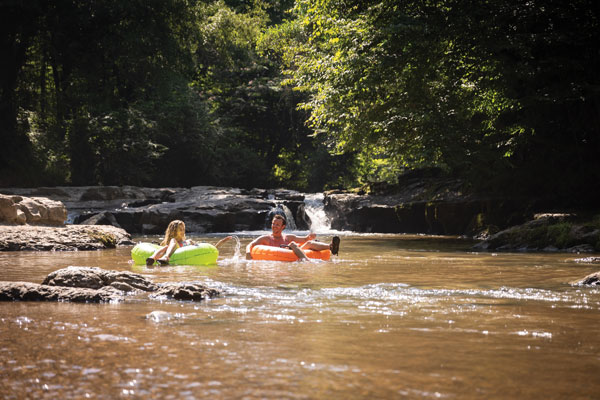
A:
(31, 210)
(159, 316)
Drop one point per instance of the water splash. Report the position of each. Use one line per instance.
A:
(237, 254)
(315, 209)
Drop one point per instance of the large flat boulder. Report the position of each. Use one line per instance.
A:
(63, 238)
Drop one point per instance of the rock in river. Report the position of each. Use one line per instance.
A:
(96, 285)
(26, 291)
(96, 278)
(590, 280)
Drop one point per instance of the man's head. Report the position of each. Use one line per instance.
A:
(278, 223)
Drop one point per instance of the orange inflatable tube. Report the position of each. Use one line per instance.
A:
(261, 252)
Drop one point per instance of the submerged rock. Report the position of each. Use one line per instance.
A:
(159, 316)
(185, 291)
(588, 260)
(590, 280)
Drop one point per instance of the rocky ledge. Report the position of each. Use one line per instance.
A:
(63, 238)
(95, 285)
(149, 210)
(420, 203)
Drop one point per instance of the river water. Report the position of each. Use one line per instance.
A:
(394, 316)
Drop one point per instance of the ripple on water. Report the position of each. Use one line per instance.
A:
(386, 298)
(113, 338)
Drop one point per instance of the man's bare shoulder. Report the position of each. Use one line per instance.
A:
(262, 239)
(291, 238)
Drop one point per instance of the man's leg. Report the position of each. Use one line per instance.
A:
(334, 246)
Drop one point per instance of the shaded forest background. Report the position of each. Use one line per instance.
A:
(307, 95)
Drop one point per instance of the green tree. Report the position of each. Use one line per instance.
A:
(487, 90)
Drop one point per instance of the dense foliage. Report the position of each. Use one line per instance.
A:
(504, 93)
(309, 95)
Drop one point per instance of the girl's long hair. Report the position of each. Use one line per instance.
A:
(171, 232)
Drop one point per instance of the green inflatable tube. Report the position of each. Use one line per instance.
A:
(198, 254)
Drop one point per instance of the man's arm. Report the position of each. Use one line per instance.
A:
(300, 239)
(258, 240)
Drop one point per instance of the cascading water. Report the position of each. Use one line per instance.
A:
(315, 210)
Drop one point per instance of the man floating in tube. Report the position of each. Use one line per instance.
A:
(295, 243)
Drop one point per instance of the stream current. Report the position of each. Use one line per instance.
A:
(393, 316)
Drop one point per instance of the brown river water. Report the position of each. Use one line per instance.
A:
(394, 316)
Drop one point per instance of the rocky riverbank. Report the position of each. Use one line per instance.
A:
(417, 205)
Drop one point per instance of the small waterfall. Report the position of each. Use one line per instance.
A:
(315, 210)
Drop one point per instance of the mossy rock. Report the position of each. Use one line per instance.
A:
(109, 241)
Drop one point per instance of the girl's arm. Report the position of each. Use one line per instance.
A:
(220, 242)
